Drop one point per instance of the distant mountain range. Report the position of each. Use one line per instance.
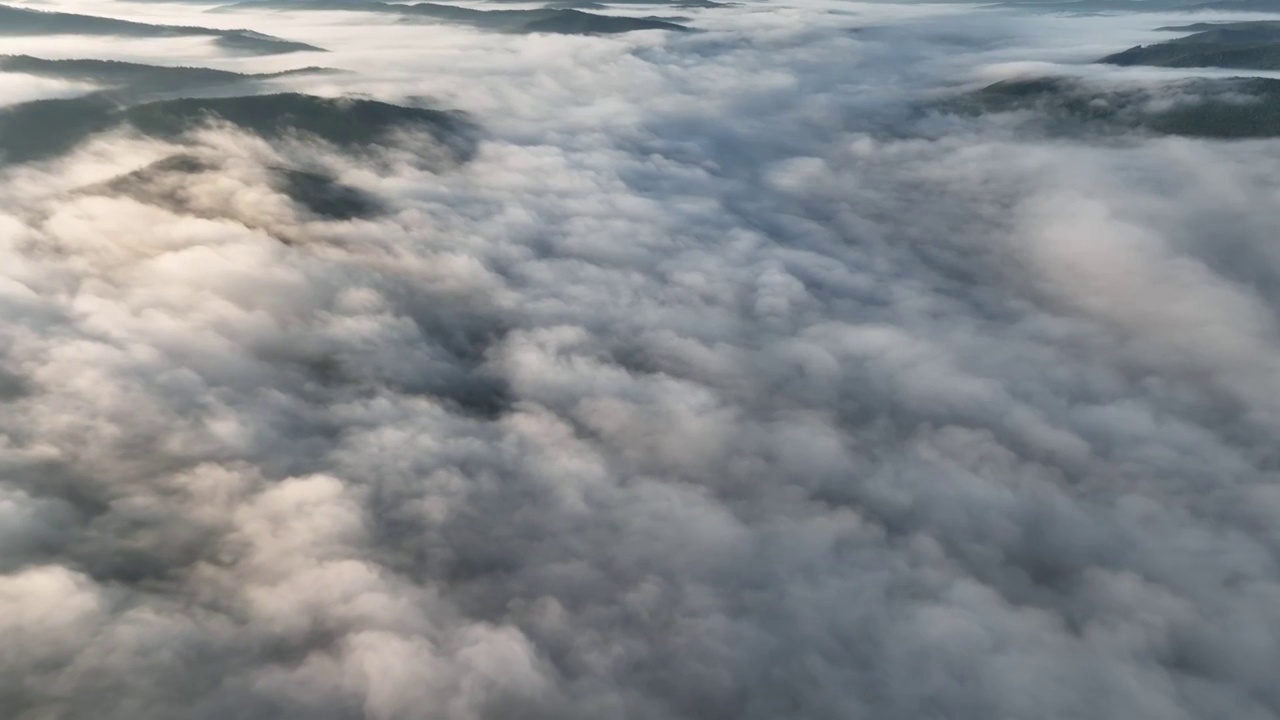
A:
(1227, 108)
(15, 21)
(134, 81)
(1093, 7)
(1251, 45)
(46, 128)
(560, 20)
(596, 4)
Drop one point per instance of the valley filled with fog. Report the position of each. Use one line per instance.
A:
(632, 360)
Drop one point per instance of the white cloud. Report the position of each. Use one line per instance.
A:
(720, 383)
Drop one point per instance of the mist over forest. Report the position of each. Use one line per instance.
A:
(639, 360)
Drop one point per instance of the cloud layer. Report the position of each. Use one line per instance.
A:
(729, 378)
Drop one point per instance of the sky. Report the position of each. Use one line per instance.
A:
(732, 377)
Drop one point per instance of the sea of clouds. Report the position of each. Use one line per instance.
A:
(729, 380)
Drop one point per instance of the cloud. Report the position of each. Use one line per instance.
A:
(18, 88)
(720, 381)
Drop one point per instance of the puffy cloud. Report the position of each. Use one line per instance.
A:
(727, 379)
